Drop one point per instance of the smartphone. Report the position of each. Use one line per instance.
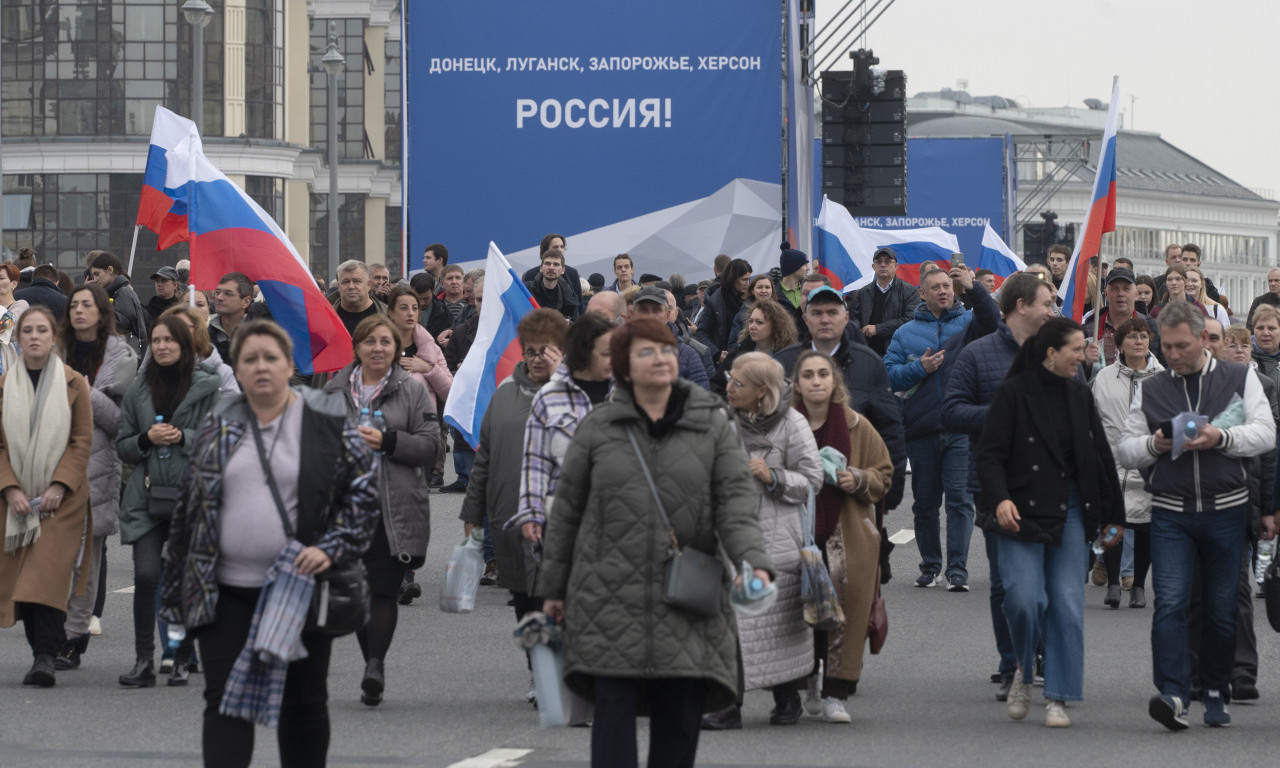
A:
(1166, 428)
(957, 260)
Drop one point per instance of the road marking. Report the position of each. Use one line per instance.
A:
(904, 536)
(494, 758)
(125, 591)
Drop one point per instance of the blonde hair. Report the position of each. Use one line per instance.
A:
(760, 370)
(1265, 312)
(1203, 298)
(199, 329)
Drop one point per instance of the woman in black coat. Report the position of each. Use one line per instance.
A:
(1048, 483)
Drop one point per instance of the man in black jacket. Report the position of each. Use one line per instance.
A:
(432, 314)
(44, 290)
(550, 289)
(883, 305)
(456, 347)
(107, 271)
(167, 292)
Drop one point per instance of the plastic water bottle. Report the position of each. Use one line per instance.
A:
(753, 597)
(379, 423)
(1266, 552)
(1191, 430)
(366, 420)
(176, 634)
(1107, 535)
(162, 451)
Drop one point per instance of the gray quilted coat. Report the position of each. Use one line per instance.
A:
(118, 370)
(605, 547)
(777, 646)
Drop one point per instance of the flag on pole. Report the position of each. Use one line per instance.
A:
(997, 257)
(495, 351)
(1100, 218)
(845, 249)
(186, 198)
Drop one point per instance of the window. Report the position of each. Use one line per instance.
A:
(264, 68)
(350, 87)
(391, 71)
(350, 230)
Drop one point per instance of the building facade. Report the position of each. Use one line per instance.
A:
(80, 81)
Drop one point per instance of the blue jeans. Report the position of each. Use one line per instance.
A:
(463, 457)
(1126, 557)
(940, 465)
(1177, 539)
(1044, 598)
(1004, 641)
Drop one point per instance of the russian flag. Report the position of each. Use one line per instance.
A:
(495, 351)
(229, 232)
(845, 249)
(1101, 217)
(997, 257)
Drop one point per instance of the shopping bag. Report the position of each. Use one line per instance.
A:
(822, 608)
(462, 575)
(541, 638)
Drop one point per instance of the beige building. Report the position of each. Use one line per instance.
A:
(80, 82)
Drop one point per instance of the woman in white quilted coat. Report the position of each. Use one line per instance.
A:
(777, 646)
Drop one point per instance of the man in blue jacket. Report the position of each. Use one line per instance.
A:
(939, 458)
(1026, 302)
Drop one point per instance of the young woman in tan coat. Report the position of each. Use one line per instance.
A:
(845, 526)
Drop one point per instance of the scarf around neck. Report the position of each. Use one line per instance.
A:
(37, 427)
(357, 379)
(834, 433)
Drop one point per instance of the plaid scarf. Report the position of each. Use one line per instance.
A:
(357, 376)
(255, 687)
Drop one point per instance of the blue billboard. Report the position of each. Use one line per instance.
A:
(956, 184)
(644, 127)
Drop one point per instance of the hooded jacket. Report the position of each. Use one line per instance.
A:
(1114, 389)
(117, 372)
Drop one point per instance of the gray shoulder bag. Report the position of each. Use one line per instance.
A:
(695, 579)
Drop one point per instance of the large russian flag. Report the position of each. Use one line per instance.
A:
(997, 257)
(845, 249)
(495, 351)
(229, 232)
(1101, 217)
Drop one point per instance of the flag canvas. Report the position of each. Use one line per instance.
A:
(845, 249)
(1100, 218)
(997, 257)
(495, 351)
(229, 232)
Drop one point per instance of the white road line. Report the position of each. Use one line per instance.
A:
(125, 591)
(904, 536)
(494, 758)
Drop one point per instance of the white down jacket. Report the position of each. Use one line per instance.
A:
(1113, 390)
(777, 646)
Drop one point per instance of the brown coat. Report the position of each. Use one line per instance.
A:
(853, 551)
(41, 572)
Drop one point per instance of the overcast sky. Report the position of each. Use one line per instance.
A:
(1203, 75)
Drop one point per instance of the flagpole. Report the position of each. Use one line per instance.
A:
(191, 291)
(133, 249)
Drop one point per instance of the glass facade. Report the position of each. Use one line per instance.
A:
(351, 140)
(391, 71)
(101, 68)
(392, 256)
(264, 69)
(350, 230)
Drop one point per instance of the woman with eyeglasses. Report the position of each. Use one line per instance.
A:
(606, 550)
(493, 493)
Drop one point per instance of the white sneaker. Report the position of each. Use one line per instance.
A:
(1055, 714)
(833, 711)
(95, 626)
(1019, 701)
(813, 696)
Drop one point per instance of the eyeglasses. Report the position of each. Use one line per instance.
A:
(1237, 347)
(531, 353)
(226, 293)
(649, 352)
(737, 384)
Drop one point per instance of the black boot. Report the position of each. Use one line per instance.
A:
(372, 684)
(181, 673)
(409, 589)
(41, 673)
(69, 656)
(786, 711)
(727, 719)
(143, 675)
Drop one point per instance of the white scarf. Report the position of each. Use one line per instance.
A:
(37, 428)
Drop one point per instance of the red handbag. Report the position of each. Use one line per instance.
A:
(878, 624)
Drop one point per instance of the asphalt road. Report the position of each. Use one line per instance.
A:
(456, 684)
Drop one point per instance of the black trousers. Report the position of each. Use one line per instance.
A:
(303, 734)
(147, 566)
(44, 627)
(675, 720)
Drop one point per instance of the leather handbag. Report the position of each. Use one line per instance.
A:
(340, 603)
(1271, 593)
(878, 623)
(694, 579)
(162, 500)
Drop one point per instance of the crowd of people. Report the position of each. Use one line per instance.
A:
(749, 414)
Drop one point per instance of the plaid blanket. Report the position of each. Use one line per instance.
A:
(255, 687)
